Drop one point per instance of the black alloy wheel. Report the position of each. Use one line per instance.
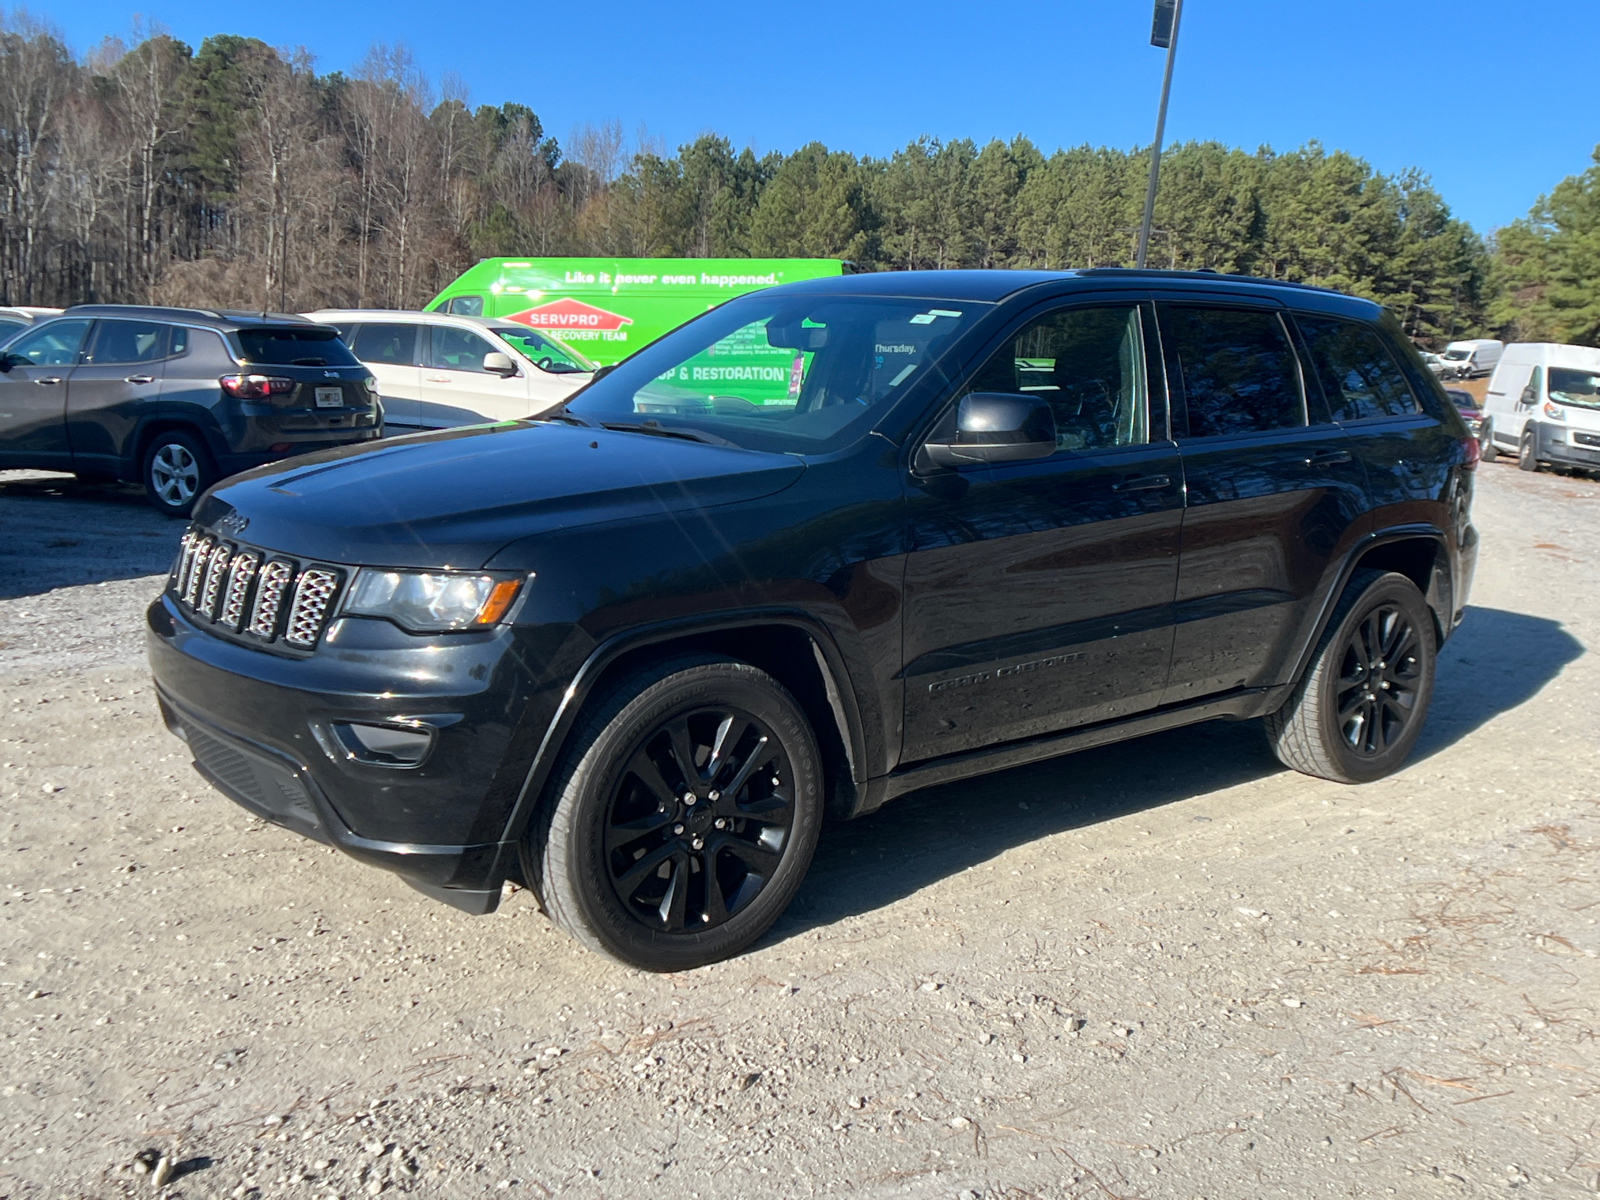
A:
(1359, 708)
(682, 816)
(1376, 691)
(698, 821)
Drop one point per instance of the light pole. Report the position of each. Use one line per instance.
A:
(1163, 33)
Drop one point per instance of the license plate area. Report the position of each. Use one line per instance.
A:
(330, 397)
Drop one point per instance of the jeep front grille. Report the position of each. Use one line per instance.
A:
(241, 590)
(311, 597)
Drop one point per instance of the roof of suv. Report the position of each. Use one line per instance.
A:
(225, 319)
(408, 316)
(990, 286)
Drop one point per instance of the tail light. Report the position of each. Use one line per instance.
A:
(256, 387)
(1470, 453)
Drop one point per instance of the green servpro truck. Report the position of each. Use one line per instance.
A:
(609, 307)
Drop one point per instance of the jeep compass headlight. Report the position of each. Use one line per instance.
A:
(432, 601)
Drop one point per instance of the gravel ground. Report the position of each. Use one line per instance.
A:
(1165, 969)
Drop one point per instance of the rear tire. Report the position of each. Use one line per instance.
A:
(176, 472)
(621, 857)
(1527, 452)
(1360, 706)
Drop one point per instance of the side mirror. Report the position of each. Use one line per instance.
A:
(497, 362)
(997, 427)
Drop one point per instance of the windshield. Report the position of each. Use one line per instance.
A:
(292, 347)
(543, 352)
(1457, 355)
(1572, 386)
(781, 372)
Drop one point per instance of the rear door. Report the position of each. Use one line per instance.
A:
(117, 384)
(1274, 497)
(390, 350)
(1038, 595)
(456, 390)
(33, 395)
(1406, 451)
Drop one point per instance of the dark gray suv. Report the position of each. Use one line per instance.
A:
(177, 398)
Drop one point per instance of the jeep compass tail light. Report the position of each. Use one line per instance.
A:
(256, 387)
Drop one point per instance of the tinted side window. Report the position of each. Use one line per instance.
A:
(127, 342)
(392, 344)
(1089, 364)
(466, 306)
(1237, 370)
(1359, 375)
(52, 344)
(457, 349)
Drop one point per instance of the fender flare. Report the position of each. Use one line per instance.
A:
(1439, 594)
(836, 678)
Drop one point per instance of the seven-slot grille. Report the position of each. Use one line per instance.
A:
(242, 590)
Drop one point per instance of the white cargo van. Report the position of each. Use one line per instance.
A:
(1471, 358)
(1543, 405)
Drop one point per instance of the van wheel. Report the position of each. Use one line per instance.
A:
(1360, 706)
(682, 818)
(1527, 456)
(1487, 450)
(177, 469)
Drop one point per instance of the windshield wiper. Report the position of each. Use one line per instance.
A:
(566, 414)
(656, 429)
(309, 362)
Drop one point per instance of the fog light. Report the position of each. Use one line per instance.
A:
(385, 745)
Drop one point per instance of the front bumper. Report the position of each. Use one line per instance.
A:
(257, 725)
(1555, 446)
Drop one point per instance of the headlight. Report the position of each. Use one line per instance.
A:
(1554, 411)
(432, 601)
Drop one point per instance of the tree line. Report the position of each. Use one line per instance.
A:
(238, 176)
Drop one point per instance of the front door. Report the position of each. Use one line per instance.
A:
(1039, 594)
(33, 395)
(1273, 499)
(456, 390)
(117, 383)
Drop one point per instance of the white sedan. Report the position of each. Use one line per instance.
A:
(437, 370)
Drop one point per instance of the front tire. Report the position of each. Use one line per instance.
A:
(1528, 451)
(1360, 706)
(177, 470)
(682, 818)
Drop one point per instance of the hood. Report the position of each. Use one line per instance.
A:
(452, 499)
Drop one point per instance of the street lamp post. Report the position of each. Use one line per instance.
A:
(1163, 33)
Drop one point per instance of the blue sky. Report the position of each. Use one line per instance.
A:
(1487, 98)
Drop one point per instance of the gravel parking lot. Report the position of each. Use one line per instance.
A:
(1165, 969)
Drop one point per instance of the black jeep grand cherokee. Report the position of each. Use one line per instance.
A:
(824, 545)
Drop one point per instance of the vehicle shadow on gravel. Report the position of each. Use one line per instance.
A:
(927, 836)
(1495, 661)
(60, 532)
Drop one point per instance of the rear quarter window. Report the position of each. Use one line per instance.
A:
(1359, 375)
(289, 347)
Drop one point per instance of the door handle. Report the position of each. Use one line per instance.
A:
(1141, 483)
(52, 379)
(140, 379)
(1328, 458)
(437, 378)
